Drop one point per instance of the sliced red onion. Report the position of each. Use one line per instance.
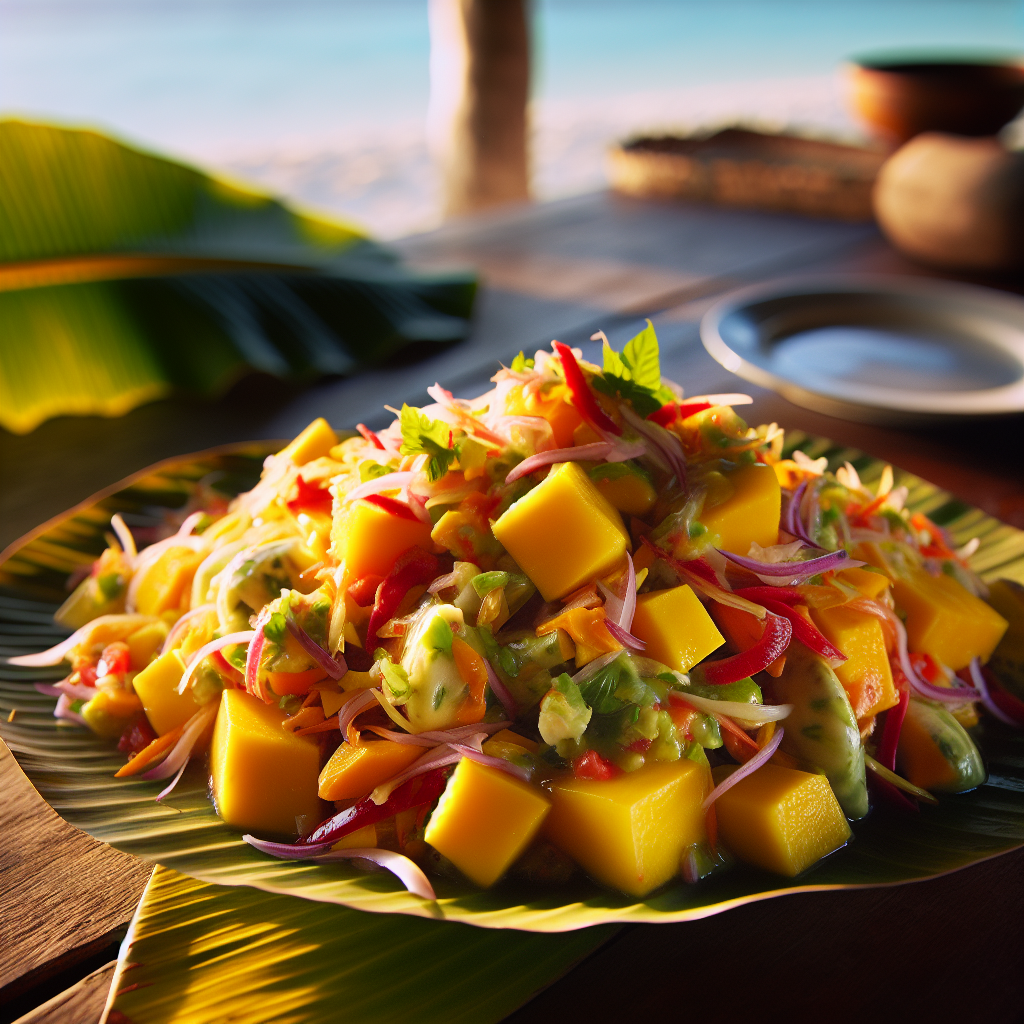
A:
(166, 791)
(290, 851)
(442, 582)
(501, 691)
(243, 637)
(747, 714)
(978, 678)
(334, 667)
(500, 763)
(595, 666)
(406, 870)
(962, 695)
(439, 757)
(55, 655)
(792, 503)
(534, 431)
(408, 738)
(624, 636)
(254, 655)
(76, 691)
(612, 601)
(47, 690)
(418, 506)
(797, 570)
(666, 444)
(190, 523)
(599, 451)
(464, 417)
(124, 535)
(436, 737)
(179, 627)
(625, 618)
(760, 758)
(63, 710)
(179, 753)
(355, 707)
(712, 400)
(388, 482)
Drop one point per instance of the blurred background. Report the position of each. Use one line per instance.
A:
(326, 101)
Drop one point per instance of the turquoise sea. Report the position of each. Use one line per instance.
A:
(326, 99)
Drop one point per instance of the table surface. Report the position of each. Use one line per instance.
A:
(561, 270)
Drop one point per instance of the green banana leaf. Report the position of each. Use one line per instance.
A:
(140, 277)
(74, 770)
(198, 953)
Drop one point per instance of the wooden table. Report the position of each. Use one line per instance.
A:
(948, 949)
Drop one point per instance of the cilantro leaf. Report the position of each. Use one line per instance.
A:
(423, 436)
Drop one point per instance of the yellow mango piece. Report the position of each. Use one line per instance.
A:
(748, 512)
(676, 628)
(157, 687)
(870, 584)
(353, 771)
(865, 675)
(945, 620)
(368, 539)
(109, 712)
(166, 580)
(629, 492)
(1007, 597)
(780, 819)
(630, 832)
(263, 776)
(586, 627)
(145, 642)
(564, 532)
(484, 820)
(313, 443)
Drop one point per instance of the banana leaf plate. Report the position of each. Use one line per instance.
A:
(73, 770)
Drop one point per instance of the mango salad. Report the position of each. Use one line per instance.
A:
(580, 623)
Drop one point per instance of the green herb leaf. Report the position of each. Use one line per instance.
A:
(636, 374)
(641, 355)
(423, 436)
(520, 364)
(275, 627)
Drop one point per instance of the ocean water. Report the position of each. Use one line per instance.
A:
(325, 100)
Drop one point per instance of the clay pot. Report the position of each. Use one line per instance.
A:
(954, 202)
(900, 100)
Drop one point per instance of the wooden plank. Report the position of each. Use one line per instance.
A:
(82, 1003)
(63, 895)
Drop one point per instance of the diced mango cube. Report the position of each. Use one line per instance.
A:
(564, 532)
(144, 642)
(313, 443)
(368, 538)
(676, 628)
(484, 820)
(263, 776)
(865, 675)
(109, 712)
(157, 687)
(354, 770)
(630, 832)
(750, 511)
(630, 492)
(166, 580)
(780, 819)
(945, 620)
(870, 584)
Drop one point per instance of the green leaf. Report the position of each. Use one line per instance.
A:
(520, 364)
(204, 954)
(141, 277)
(73, 769)
(642, 357)
(423, 436)
(636, 374)
(370, 470)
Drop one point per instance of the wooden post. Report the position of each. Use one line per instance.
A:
(479, 88)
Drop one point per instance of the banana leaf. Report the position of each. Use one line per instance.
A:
(74, 770)
(198, 953)
(126, 277)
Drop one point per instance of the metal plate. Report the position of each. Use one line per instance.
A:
(876, 349)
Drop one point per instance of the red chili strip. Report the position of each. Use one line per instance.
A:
(370, 436)
(672, 411)
(423, 789)
(582, 397)
(412, 567)
(807, 634)
(774, 640)
(760, 594)
(890, 738)
(310, 498)
(699, 566)
(395, 508)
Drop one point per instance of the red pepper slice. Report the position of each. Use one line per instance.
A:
(370, 436)
(592, 765)
(115, 660)
(423, 789)
(890, 737)
(395, 508)
(582, 397)
(756, 594)
(137, 736)
(807, 634)
(412, 567)
(778, 632)
(672, 411)
(310, 498)
(1002, 698)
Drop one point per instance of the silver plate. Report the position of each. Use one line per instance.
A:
(876, 349)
